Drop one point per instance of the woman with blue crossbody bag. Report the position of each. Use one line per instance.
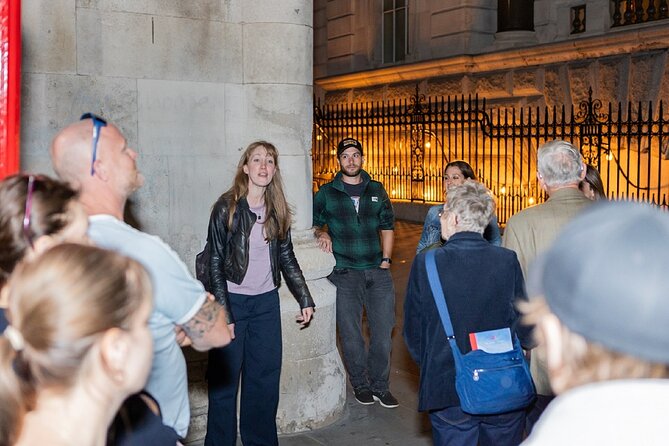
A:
(474, 380)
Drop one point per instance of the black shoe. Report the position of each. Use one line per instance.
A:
(364, 396)
(386, 399)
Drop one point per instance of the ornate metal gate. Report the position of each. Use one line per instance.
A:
(408, 142)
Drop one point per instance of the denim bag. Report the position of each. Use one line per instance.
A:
(486, 383)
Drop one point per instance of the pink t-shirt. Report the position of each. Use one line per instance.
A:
(258, 278)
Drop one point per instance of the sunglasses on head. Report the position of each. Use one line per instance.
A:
(98, 123)
(27, 233)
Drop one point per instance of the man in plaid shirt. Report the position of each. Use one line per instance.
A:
(356, 209)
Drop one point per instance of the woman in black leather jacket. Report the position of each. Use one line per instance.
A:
(250, 245)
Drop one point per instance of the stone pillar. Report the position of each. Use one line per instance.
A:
(277, 106)
(278, 69)
(313, 384)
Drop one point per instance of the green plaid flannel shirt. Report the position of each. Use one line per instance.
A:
(355, 235)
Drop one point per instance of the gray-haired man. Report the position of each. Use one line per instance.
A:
(560, 169)
(599, 302)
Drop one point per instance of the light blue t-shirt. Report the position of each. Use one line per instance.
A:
(177, 297)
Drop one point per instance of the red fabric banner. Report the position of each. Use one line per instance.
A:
(10, 85)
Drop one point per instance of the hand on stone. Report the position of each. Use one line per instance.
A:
(304, 318)
(325, 242)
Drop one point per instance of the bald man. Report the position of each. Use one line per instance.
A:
(94, 157)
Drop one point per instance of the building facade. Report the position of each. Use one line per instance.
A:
(537, 64)
(454, 48)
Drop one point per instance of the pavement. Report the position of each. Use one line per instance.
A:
(375, 425)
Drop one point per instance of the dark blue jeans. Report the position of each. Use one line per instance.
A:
(372, 289)
(451, 426)
(256, 354)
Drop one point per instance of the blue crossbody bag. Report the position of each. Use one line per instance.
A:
(486, 383)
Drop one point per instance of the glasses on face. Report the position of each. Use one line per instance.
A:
(27, 233)
(98, 123)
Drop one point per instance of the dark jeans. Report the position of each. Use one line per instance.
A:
(256, 353)
(372, 289)
(451, 426)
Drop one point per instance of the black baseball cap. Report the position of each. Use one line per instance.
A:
(346, 143)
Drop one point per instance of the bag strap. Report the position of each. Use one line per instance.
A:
(438, 293)
(440, 301)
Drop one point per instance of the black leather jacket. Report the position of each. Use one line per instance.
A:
(229, 255)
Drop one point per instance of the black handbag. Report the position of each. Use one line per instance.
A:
(486, 383)
(202, 267)
(202, 264)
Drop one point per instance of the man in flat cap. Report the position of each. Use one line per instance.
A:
(360, 222)
(602, 311)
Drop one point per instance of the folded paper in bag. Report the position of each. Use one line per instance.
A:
(492, 341)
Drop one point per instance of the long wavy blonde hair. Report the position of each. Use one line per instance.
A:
(279, 214)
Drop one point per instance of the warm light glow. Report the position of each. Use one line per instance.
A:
(502, 190)
(319, 137)
(333, 152)
(392, 192)
(395, 169)
(530, 200)
(428, 145)
(609, 156)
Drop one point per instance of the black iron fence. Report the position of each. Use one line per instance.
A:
(408, 142)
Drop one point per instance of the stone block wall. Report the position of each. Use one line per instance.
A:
(191, 84)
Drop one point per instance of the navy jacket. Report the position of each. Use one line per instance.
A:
(481, 283)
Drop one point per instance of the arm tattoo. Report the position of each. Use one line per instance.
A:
(203, 321)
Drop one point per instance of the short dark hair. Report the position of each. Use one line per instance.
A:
(593, 178)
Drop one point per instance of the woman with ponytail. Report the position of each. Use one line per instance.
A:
(77, 346)
(37, 213)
